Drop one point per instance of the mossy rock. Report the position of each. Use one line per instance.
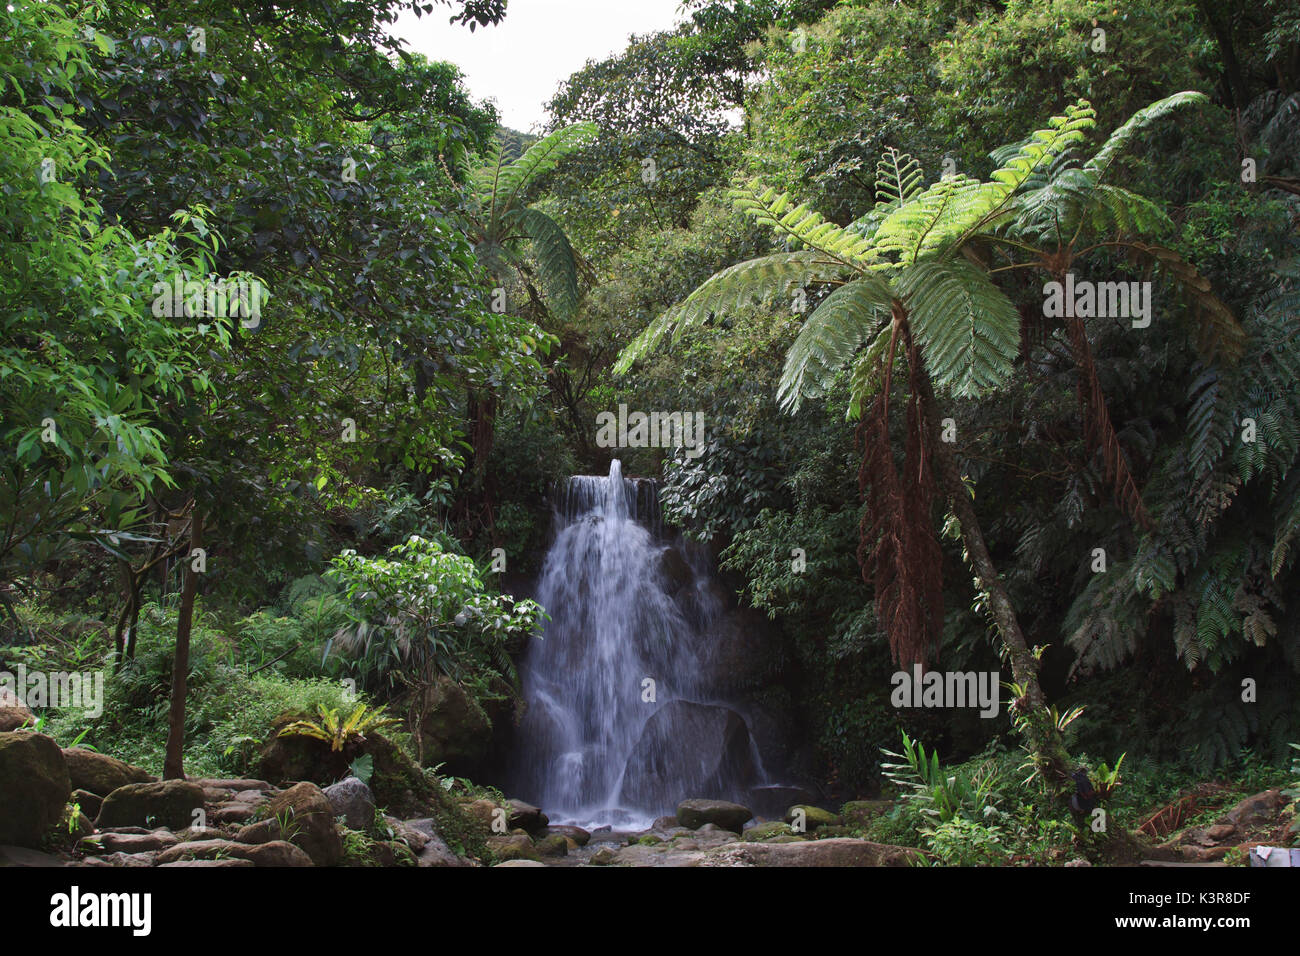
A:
(813, 817)
(398, 783)
(456, 731)
(553, 845)
(650, 839)
(517, 847)
(767, 831)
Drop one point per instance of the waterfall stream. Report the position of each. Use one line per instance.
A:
(623, 716)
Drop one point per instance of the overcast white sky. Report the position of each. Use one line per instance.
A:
(520, 62)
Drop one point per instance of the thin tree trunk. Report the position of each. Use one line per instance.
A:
(173, 763)
(1044, 738)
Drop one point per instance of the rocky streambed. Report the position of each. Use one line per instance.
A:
(77, 807)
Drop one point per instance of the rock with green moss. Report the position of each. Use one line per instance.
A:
(804, 817)
(167, 803)
(456, 731)
(555, 844)
(650, 839)
(303, 816)
(34, 787)
(604, 856)
(513, 847)
(578, 835)
(766, 831)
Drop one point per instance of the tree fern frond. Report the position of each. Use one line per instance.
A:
(1218, 332)
(555, 256)
(830, 337)
(1113, 207)
(1287, 527)
(1139, 121)
(1209, 422)
(898, 178)
(953, 209)
(967, 328)
(1106, 621)
(732, 289)
(769, 208)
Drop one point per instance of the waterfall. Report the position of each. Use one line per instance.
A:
(622, 720)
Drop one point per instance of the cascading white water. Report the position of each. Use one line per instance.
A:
(599, 743)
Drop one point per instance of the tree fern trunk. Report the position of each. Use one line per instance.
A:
(1044, 739)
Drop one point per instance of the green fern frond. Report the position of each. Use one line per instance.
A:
(1118, 141)
(898, 178)
(867, 375)
(732, 289)
(1115, 208)
(830, 337)
(967, 328)
(777, 211)
(954, 209)
(1287, 525)
(555, 256)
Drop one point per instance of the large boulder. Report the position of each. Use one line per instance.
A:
(99, 773)
(675, 570)
(353, 801)
(697, 813)
(14, 714)
(455, 730)
(699, 748)
(1256, 809)
(167, 803)
(34, 787)
(435, 852)
(303, 816)
(513, 847)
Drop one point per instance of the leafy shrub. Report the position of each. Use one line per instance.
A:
(963, 842)
(422, 612)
